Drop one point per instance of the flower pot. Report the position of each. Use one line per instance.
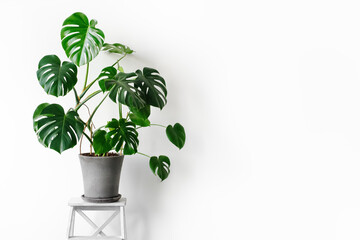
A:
(101, 177)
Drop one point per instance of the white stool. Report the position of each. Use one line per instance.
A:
(77, 205)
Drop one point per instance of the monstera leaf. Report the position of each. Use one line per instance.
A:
(160, 166)
(80, 39)
(100, 143)
(140, 116)
(117, 48)
(123, 90)
(55, 129)
(176, 135)
(55, 77)
(122, 131)
(106, 74)
(153, 87)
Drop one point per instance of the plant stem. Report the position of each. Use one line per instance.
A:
(87, 99)
(119, 60)
(88, 138)
(84, 134)
(87, 88)
(96, 108)
(91, 135)
(77, 99)
(144, 154)
(120, 110)
(159, 125)
(86, 76)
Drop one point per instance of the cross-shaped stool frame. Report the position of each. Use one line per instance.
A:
(77, 205)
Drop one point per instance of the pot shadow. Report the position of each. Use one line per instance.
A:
(142, 190)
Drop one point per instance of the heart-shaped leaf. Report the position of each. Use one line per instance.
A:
(100, 143)
(55, 129)
(160, 166)
(117, 48)
(122, 90)
(153, 87)
(176, 135)
(55, 77)
(122, 131)
(80, 39)
(140, 116)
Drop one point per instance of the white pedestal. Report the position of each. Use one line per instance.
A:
(77, 205)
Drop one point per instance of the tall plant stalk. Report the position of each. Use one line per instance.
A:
(86, 75)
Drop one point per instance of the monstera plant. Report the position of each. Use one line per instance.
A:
(134, 95)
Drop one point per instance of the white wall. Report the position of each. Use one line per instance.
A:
(268, 92)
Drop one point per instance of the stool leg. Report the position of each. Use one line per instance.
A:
(120, 222)
(70, 232)
(124, 222)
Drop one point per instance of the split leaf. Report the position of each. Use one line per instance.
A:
(160, 166)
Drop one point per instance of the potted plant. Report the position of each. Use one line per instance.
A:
(137, 91)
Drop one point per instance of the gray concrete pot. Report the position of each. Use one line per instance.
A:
(101, 177)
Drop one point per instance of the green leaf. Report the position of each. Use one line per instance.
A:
(140, 116)
(80, 39)
(160, 166)
(139, 121)
(122, 131)
(55, 129)
(120, 69)
(55, 77)
(153, 87)
(106, 74)
(141, 112)
(176, 135)
(117, 48)
(100, 142)
(123, 90)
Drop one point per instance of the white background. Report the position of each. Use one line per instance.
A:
(268, 92)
